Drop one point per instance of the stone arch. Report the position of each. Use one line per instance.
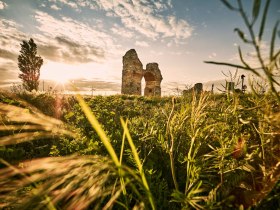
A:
(133, 73)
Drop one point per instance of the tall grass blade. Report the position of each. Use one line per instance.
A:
(73, 182)
(138, 162)
(123, 142)
(24, 137)
(121, 156)
(22, 124)
(228, 5)
(272, 43)
(233, 65)
(35, 191)
(263, 19)
(241, 58)
(256, 10)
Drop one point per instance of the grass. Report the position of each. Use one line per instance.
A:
(186, 152)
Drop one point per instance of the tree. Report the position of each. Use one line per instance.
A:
(29, 63)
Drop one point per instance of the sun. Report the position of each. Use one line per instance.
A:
(61, 79)
(58, 73)
(65, 76)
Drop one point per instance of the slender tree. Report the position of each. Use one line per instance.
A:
(29, 63)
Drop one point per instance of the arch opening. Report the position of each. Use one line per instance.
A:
(143, 84)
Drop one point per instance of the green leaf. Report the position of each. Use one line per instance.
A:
(233, 65)
(242, 35)
(256, 9)
(228, 5)
(272, 43)
(241, 58)
(276, 55)
(263, 19)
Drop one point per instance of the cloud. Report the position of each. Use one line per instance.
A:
(10, 38)
(77, 52)
(85, 86)
(97, 85)
(142, 16)
(8, 70)
(141, 44)
(118, 30)
(66, 51)
(77, 43)
(10, 35)
(156, 53)
(3, 5)
(55, 7)
(8, 55)
(8, 66)
(49, 51)
(212, 55)
(73, 5)
(178, 53)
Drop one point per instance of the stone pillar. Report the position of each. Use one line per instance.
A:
(132, 73)
(153, 80)
(198, 87)
(230, 87)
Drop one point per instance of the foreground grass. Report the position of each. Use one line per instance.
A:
(195, 152)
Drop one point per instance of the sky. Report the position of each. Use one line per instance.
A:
(83, 41)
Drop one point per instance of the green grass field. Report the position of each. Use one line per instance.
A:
(190, 152)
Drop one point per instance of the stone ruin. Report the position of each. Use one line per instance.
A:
(133, 73)
(197, 88)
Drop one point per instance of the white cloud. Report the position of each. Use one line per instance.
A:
(10, 35)
(85, 40)
(55, 7)
(142, 16)
(156, 53)
(141, 44)
(169, 44)
(77, 31)
(73, 5)
(10, 38)
(212, 55)
(118, 30)
(178, 53)
(3, 5)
